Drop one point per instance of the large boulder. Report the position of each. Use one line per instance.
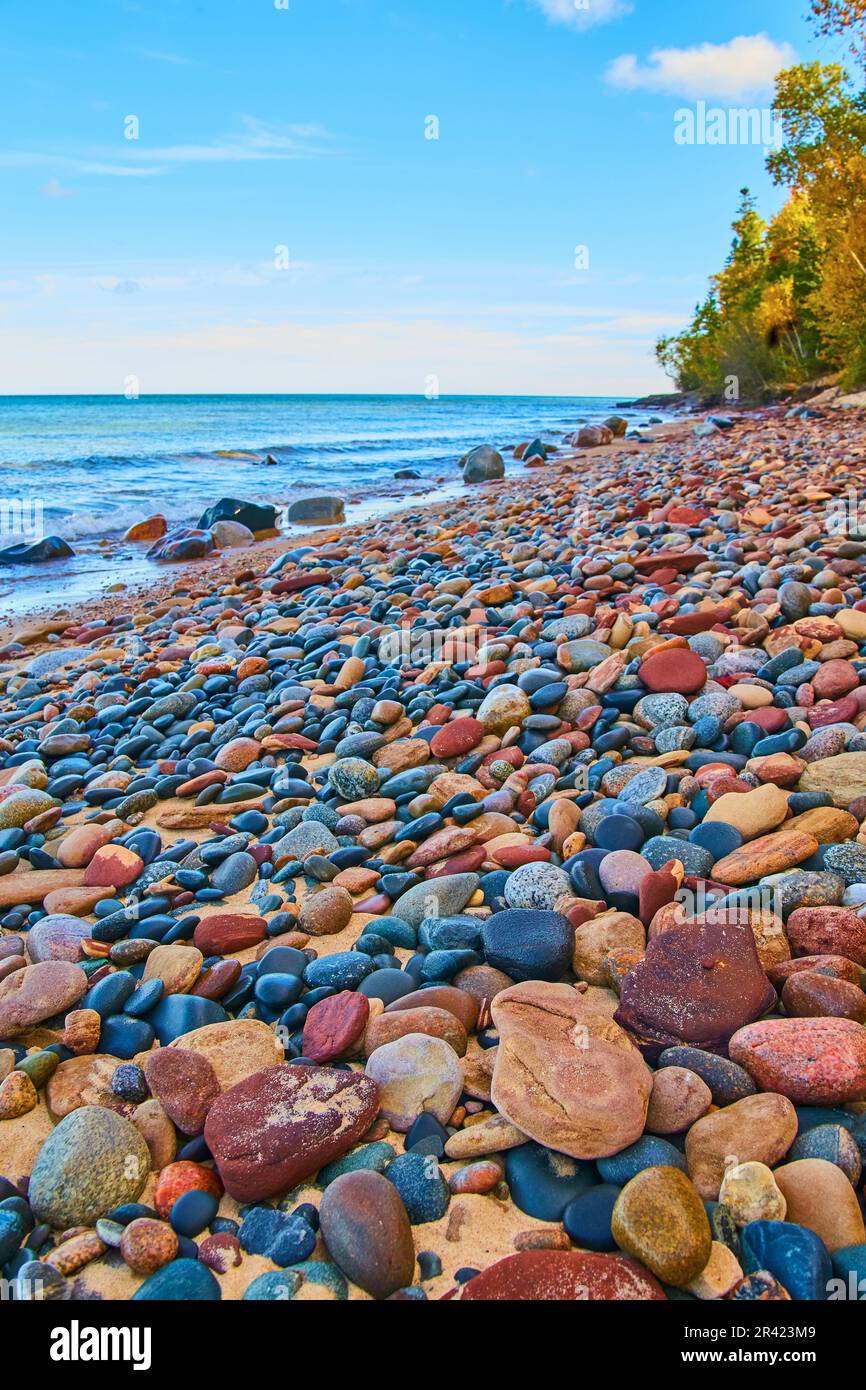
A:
(184, 543)
(251, 514)
(324, 508)
(482, 464)
(36, 553)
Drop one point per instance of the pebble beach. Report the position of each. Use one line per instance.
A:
(469, 903)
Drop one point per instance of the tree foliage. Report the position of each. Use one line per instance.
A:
(790, 302)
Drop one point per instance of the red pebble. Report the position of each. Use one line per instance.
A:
(182, 1177)
(457, 737)
(334, 1024)
(674, 670)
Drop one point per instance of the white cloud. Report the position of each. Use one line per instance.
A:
(255, 141)
(583, 14)
(745, 66)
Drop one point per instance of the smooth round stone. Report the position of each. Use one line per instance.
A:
(144, 998)
(125, 1037)
(617, 833)
(717, 838)
(538, 886)
(679, 1097)
(694, 858)
(646, 786)
(234, 874)
(673, 670)
(673, 739)
(342, 970)
(416, 1074)
(795, 1256)
(353, 779)
(387, 985)
(366, 1229)
(93, 1161)
(57, 937)
(727, 1081)
(193, 1212)
(182, 1281)
(660, 1220)
(529, 945)
(421, 1185)
(543, 1183)
(749, 1192)
(649, 1152)
(623, 871)
(109, 995)
(587, 1219)
(834, 1144)
(182, 1013)
(661, 711)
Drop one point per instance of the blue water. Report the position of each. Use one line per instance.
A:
(99, 463)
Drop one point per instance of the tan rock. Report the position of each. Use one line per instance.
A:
(820, 1197)
(753, 813)
(594, 941)
(82, 1081)
(758, 1129)
(18, 1096)
(750, 1193)
(158, 1133)
(235, 1049)
(565, 1074)
(829, 825)
(679, 1097)
(844, 777)
(490, 1136)
(177, 966)
(720, 1275)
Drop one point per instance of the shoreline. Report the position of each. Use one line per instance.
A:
(154, 580)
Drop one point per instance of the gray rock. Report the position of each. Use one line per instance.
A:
(323, 508)
(438, 897)
(482, 464)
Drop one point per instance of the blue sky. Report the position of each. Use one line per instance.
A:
(261, 128)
